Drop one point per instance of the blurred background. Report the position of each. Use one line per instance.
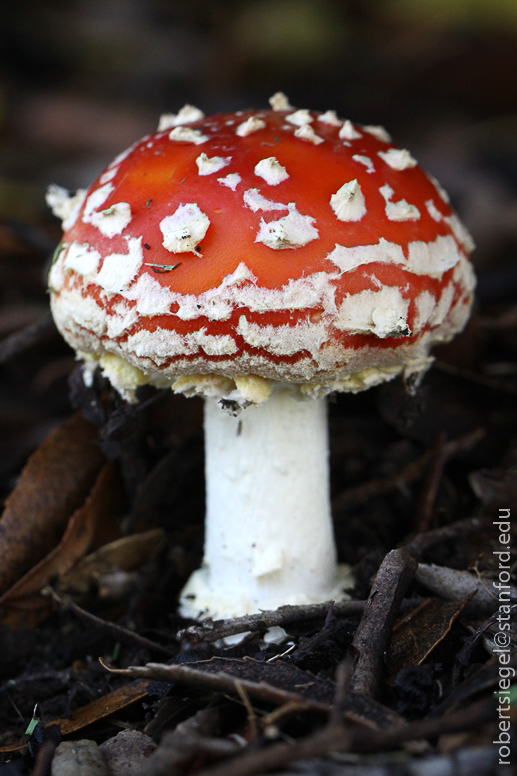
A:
(82, 79)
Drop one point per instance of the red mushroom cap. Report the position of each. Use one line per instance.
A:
(282, 244)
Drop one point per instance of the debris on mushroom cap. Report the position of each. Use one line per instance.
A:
(64, 205)
(290, 231)
(323, 257)
(379, 132)
(187, 135)
(306, 132)
(348, 202)
(399, 159)
(299, 117)
(232, 180)
(208, 165)
(184, 229)
(279, 101)
(362, 159)
(348, 131)
(272, 172)
(257, 201)
(113, 220)
(186, 115)
(330, 117)
(398, 211)
(252, 124)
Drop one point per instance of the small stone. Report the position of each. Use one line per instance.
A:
(79, 758)
(127, 752)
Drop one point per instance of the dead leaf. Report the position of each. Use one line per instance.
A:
(23, 604)
(92, 712)
(123, 554)
(417, 633)
(53, 484)
(103, 707)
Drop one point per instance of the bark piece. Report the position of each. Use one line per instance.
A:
(373, 634)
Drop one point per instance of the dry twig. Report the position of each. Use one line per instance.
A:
(213, 630)
(373, 634)
(118, 632)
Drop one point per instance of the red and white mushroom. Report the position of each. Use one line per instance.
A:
(261, 259)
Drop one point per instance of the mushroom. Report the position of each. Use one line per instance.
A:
(261, 260)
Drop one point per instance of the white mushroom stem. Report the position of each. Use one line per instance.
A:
(268, 537)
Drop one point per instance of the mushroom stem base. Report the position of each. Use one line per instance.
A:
(269, 537)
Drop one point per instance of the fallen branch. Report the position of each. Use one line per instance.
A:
(372, 637)
(213, 630)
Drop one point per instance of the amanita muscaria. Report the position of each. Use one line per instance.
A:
(262, 260)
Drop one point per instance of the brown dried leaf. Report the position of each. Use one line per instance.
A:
(53, 484)
(92, 712)
(103, 707)
(123, 554)
(23, 604)
(417, 633)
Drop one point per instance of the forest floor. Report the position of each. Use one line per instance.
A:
(103, 523)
